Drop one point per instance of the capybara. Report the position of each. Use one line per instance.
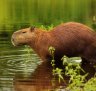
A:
(71, 39)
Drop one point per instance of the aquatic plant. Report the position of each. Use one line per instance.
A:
(77, 82)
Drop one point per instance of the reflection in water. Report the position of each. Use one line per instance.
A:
(41, 80)
(13, 62)
(17, 69)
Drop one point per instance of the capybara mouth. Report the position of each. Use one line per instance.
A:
(13, 42)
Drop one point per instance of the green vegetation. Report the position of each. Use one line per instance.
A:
(16, 14)
(77, 82)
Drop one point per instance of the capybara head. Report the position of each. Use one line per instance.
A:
(24, 36)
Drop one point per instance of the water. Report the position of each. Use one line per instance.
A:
(21, 69)
(15, 62)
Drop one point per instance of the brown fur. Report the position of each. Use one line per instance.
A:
(70, 39)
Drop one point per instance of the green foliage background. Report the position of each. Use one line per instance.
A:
(23, 13)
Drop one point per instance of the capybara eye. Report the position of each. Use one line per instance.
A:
(24, 32)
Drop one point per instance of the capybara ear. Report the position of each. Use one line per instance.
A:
(32, 28)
